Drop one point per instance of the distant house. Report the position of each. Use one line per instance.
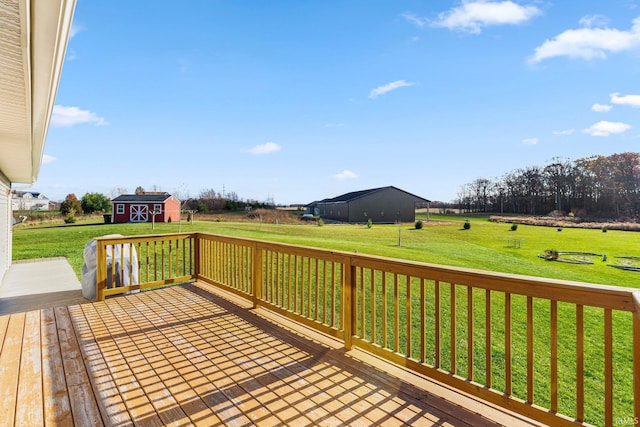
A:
(140, 208)
(381, 205)
(28, 201)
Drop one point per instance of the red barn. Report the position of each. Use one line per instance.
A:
(140, 207)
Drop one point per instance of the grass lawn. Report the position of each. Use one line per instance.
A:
(485, 246)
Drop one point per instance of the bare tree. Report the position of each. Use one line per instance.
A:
(118, 192)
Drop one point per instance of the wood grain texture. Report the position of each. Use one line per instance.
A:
(189, 355)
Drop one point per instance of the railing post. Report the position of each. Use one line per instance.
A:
(196, 255)
(636, 358)
(348, 303)
(101, 270)
(256, 274)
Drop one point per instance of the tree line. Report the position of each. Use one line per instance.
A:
(208, 200)
(591, 187)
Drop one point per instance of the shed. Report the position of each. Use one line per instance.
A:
(140, 208)
(381, 205)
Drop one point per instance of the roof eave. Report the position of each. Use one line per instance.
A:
(54, 18)
(44, 29)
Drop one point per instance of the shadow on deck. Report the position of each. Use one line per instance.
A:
(190, 354)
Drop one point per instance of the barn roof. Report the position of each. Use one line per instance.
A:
(142, 198)
(347, 197)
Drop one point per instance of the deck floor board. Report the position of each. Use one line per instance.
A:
(189, 355)
(56, 405)
(30, 375)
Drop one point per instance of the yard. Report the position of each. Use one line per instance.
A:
(485, 246)
(443, 240)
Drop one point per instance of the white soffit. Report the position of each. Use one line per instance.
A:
(33, 41)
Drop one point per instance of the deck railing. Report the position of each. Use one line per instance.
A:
(563, 353)
(126, 264)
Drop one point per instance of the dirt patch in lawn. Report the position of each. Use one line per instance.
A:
(566, 222)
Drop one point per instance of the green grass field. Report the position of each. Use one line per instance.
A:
(485, 246)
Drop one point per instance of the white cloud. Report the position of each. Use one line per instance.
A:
(47, 159)
(345, 174)
(632, 100)
(594, 21)
(384, 89)
(414, 19)
(266, 148)
(530, 141)
(601, 108)
(71, 55)
(589, 43)
(70, 116)
(75, 29)
(605, 128)
(472, 16)
(564, 132)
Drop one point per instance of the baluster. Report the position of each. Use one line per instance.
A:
(488, 353)
(554, 355)
(470, 333)
(408, 315)
(579, 362)
(507, 344)
(452, 336)
(530, 394)
(608, 367)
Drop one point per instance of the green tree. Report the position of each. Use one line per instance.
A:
(95, 202)
(70, 206)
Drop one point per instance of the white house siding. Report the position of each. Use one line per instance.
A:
(25, 201)
(5, 226)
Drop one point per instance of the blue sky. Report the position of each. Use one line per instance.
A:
(294, 101)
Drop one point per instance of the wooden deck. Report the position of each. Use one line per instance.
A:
(188, 355)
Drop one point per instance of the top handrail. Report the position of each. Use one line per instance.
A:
(596, 295)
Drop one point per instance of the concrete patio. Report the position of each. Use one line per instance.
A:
(39, 283)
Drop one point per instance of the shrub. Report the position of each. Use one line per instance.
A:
(467, 225)
(71, 203)
(551, 254)
(514, 227)
(369, 223)
(320, 222)
(419, 225)
(70, 220)
(604, 229)
(95, 202)
(169, 220)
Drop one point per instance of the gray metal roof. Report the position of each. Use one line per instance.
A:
(347, 197)
(142, 198)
